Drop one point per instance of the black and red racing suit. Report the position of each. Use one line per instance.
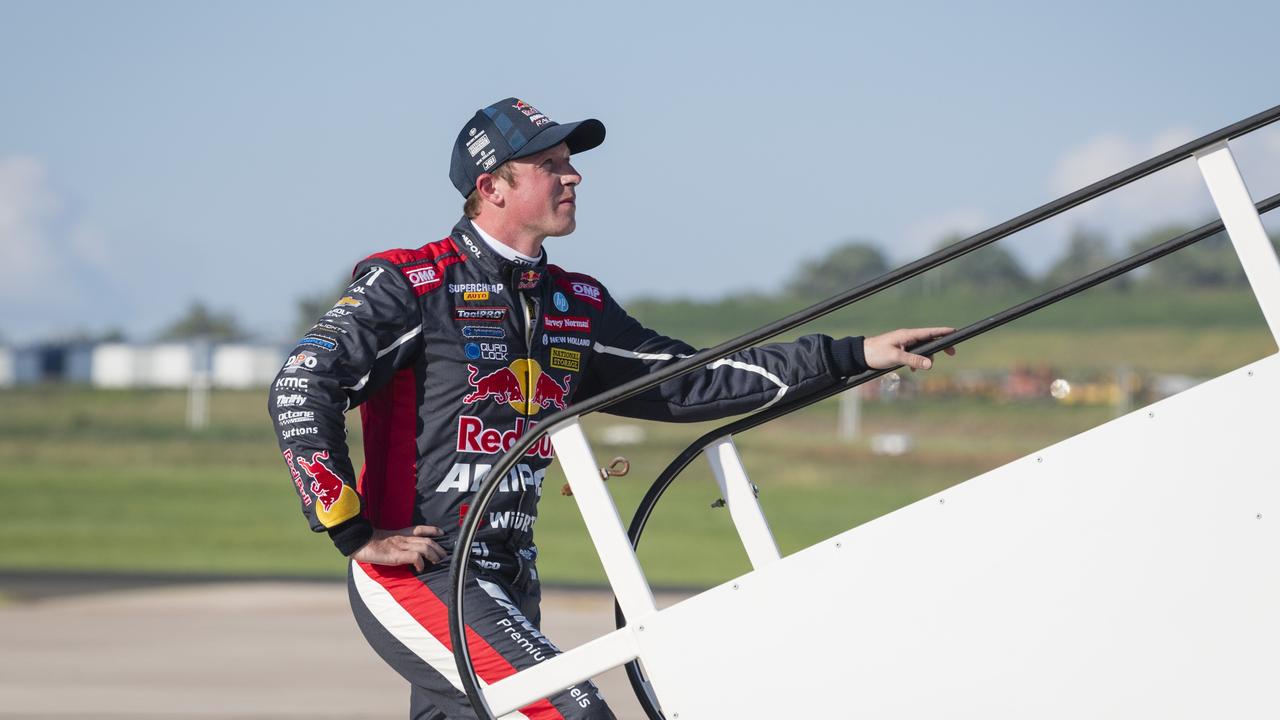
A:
(451, 353)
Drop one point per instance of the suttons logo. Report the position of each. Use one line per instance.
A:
(475, 437)
(337, 502)
(511, 386)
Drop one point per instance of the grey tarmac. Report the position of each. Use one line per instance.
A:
(233, 650)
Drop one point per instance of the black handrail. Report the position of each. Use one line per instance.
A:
(664, 480)
(458, 563)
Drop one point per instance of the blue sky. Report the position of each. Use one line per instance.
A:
(248, 153)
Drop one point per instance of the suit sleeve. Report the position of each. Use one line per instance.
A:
(745, 381)
(355, 348)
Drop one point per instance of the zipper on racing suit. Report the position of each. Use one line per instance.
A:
(530, 309)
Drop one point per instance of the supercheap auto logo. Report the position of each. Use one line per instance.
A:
(522, 385)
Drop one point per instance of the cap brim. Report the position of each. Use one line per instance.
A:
(580, 136)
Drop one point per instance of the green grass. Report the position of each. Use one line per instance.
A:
(109, 480)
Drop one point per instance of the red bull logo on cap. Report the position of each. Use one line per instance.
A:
(522, 385)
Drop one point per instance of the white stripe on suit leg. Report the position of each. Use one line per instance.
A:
(405, 628)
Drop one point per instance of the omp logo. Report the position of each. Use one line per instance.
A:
(584, 290)
(423, 276)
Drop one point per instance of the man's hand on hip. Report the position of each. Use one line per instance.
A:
(889, 350)
(406, 546)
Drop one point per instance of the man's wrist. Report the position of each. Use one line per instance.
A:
(351, 535)
(848, 357)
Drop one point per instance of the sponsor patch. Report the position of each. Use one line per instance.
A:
(480, 314)
(466, 477)
(294, 432)
(466, 239)
(566, 323)
(337, 501)
(476, 437)
(349, 301)
(565, 340)
(476, 296)
(560, 301)
(289, 417)
(486, 351)
(477, 143)
(529, 280)
(588, 292)
(323, 343)
(475, 287)
(304, 360)
(337, 313)
(480, 331)
(423, 278)
(566, 360)
(297, 478)
(294, 400)
(522, 385)
(292, 383)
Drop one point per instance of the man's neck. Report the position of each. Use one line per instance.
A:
(507, 249)
(528, 245)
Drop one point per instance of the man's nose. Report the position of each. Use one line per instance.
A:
(572, 177)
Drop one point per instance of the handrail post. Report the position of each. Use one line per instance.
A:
(740, 497)
(1240, 217)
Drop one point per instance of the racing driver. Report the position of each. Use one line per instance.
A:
(452, 351)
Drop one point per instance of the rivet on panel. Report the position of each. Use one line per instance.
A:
(838, 545)
(1039, 459)
(735, 586)
(640, 628)
(1151, 413)
(942, 501)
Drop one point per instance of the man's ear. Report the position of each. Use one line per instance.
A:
(488, 189)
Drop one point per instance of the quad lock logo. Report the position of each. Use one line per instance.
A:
(513, 384)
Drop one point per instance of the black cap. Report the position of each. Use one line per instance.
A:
(510, 129)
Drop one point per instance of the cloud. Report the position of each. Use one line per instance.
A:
(57, 268)
(922, 237)
(1173, 195)
(27, 207)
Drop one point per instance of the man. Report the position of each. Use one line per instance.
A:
(452, 351)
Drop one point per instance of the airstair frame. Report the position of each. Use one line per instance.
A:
(731, 677)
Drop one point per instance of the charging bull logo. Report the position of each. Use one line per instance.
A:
(338, 502)
(522, 385)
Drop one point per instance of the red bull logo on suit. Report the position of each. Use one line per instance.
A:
(337, 501)
(522, 385)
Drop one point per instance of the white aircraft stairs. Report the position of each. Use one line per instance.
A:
(1127, 572)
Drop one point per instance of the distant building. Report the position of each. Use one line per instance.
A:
(131, 365)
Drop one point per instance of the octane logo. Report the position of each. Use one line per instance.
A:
(510, 385)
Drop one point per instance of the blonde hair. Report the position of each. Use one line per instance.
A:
(471, 208)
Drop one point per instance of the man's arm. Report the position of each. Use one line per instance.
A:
(748, 380)
(355, 348)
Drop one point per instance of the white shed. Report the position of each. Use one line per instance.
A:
(6, 367)
(244, 367)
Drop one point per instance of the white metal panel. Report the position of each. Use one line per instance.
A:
(244, 367)
(740, 497)
(1240, 217)
(1126, 572)
(168, 365)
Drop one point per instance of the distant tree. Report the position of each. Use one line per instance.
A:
(850, 264)
(200, 322)
(1086, 252)
(991, 269)
(311, 307)
(1212, 262)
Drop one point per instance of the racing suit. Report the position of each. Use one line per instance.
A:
(452, 352)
